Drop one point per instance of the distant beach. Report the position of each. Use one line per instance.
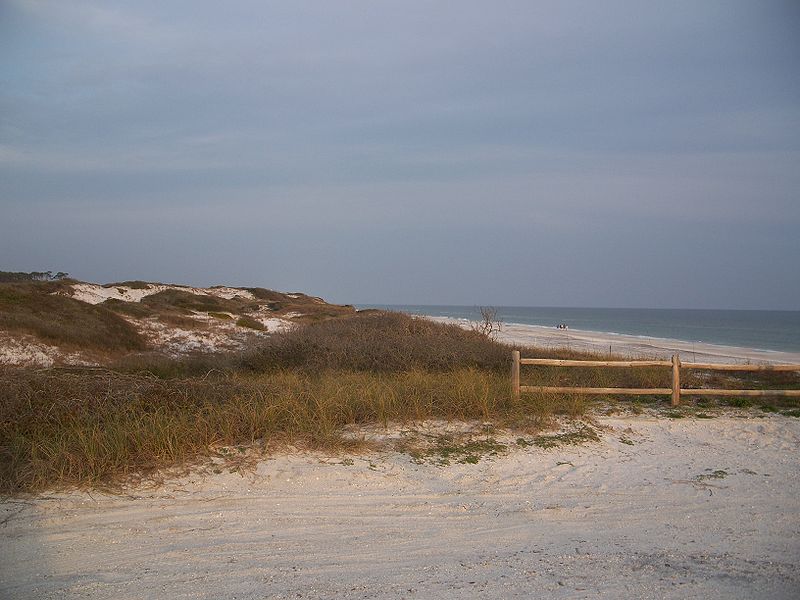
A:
(630, 345)
(711, 336)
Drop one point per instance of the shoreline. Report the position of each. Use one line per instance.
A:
(632, 346)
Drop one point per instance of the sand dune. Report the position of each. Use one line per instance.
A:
(658, 508)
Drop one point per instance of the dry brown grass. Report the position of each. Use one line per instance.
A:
(36, 309)
(47, 311)
(61, 428)
(173, 307)
(379, 342)
(310, 308)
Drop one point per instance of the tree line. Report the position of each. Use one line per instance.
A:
(14, 276)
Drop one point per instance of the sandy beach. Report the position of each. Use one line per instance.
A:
(630, 345)
(657, 508)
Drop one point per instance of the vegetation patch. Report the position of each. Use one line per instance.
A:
(674, 414)
(57, 319)
(571, 438)
(188, 302)
(379, 343)
(181, 321)
(132, 309)
(341, 369)
(221, 316)
(449, 449)
(250, 323)
(312, 309)
(133, 285)
(712, 474)
(739, 402)
(89, 428)
(22, 277)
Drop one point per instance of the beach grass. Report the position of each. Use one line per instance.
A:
(83, 427)
(72, 428)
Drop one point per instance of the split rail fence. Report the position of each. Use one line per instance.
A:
(675, 391)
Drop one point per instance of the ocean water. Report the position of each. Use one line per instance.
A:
(761, 329)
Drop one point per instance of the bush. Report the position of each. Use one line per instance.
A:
(250, 323)
(187, 302)
(379, 342)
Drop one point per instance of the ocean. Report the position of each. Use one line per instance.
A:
(760, 329)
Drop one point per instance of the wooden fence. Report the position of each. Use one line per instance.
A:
(675, 391)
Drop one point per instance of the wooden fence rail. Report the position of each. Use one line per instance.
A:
(675, 391)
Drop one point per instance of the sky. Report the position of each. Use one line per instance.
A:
(601, 154)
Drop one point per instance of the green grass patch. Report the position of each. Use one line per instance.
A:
(450, 449)
(580, 436)
(739, 402)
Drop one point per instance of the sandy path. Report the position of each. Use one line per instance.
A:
(607, 520)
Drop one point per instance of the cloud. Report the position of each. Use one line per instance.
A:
(414, 120)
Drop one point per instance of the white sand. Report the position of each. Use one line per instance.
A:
(215, 335)
(630, 345)
(604, 520)
(211, 335)
(93, 293)
(26, 351)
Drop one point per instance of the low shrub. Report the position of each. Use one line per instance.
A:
(186, 302)
(382, 342)
(250, 323)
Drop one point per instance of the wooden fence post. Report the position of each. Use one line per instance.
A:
(676, 379)
(515, 374)
(675, 390)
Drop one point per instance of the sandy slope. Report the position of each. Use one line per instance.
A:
(205, 333)
(607, 520)
(94, 293)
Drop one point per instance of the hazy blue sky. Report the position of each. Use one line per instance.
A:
(525, 153)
